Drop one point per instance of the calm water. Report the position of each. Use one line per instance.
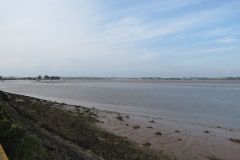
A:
(210, 103)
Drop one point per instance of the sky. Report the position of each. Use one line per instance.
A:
(124, 38)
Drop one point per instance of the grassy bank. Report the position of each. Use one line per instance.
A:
(42, 129)
(17, 142)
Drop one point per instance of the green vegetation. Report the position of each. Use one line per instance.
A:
(46, 77)
(18, 144)
(39, 77)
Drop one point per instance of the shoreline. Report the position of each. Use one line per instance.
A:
(112, 108)
(63, 132)
(181, 140)
(102, 107)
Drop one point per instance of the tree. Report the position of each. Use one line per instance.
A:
(39, 77)
(55, 78)
(46, 77)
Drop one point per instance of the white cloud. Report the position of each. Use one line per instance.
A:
(226, 40)
(88, 37)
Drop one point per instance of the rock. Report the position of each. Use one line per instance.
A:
(147, 144)
(177, 131)
(120, 118)
(213, 158)
(152, 121)
(235, 140)
(158, 133)
(206, 132)
(136, 127)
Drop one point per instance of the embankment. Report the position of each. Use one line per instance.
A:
(32, 128)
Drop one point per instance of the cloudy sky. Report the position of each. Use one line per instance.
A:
(124, 38)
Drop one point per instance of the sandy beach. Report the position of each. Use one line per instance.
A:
(184, 141)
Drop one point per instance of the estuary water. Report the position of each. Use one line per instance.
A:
(213, 103)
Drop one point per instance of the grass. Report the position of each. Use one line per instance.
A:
(17, 143)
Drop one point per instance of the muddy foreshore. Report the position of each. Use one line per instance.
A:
(61, 131)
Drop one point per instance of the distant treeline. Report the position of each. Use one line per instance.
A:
(46, 77)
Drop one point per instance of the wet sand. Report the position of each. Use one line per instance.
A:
(184, 141)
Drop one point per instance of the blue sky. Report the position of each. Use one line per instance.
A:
(166, 38)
